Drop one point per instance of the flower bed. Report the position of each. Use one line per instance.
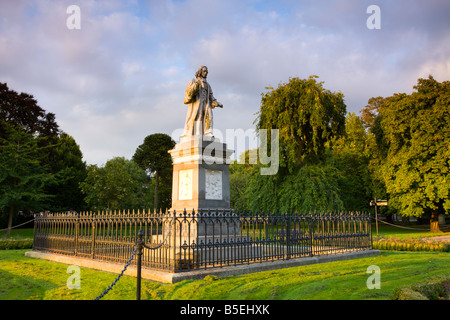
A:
(410, 245)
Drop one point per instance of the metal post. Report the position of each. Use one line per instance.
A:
(309, 219)
(376, 216)
(288, 236)
(34, 231)
(174, 244)
(77, 223)
(93, 239)
(139, 245)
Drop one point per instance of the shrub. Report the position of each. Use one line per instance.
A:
(211, 278)
(433, 289)
(411, 245)
(9, 244)
(407, 294)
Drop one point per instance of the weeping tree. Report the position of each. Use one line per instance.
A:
(308, 118)
(307, 115)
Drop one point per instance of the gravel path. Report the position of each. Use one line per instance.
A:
(441, 238)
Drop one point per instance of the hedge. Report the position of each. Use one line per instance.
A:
(410, 245)
(8, 244)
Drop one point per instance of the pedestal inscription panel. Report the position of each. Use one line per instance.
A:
(213, 184)
(185, 184)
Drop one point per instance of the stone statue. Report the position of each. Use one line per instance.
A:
(199, 96)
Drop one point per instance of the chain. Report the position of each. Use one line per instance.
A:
(17, 225)
(159, 245)
(402, 227)
(129, 262)
(120, 275)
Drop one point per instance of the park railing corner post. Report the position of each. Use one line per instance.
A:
(174, 240)
(139, 245)
(288, 235)
(34, 231)
(93, 239)
(77, 230)
(311, 235)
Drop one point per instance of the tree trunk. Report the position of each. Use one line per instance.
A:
(434, 221)
(10, 220)
(155, 204)
(389, 218)
(405, 220)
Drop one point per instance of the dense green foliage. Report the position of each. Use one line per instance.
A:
(310, 188)
(437, 288)
(120, 184)
(307, 117)
(69, 171)
(21, 110)
(351, 155)
(23, 174)
(414, 135)
(153, 157)
(40, 166)
(324, 155)
(13, 244)
(398, 150)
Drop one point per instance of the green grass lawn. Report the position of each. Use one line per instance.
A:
(411, 231)
(18, 234)
(26, 278)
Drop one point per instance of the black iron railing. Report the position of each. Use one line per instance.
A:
(190, 240)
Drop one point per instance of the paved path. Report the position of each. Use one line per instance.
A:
(440, 238)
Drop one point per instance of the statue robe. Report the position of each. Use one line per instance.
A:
(199, 120)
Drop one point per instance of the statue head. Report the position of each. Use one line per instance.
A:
(202, 72)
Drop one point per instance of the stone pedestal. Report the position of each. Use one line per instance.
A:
(201, 202)
(201, 178)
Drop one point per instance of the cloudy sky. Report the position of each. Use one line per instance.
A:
(121, 76)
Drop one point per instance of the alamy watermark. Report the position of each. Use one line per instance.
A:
(74, 281)
(374, 280)
(374, 20)
(73, 22)
(266, 151)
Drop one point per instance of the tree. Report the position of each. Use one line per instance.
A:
(351, 155)
(28, 129)
(69, 170)
(23, 111)
(309, 118)
(154, 158)
(413, 130)
(22, 174)
(117, 185)
(309, 188)
(370, 112)
(240, 178)
(313, 187)
(306, 115)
